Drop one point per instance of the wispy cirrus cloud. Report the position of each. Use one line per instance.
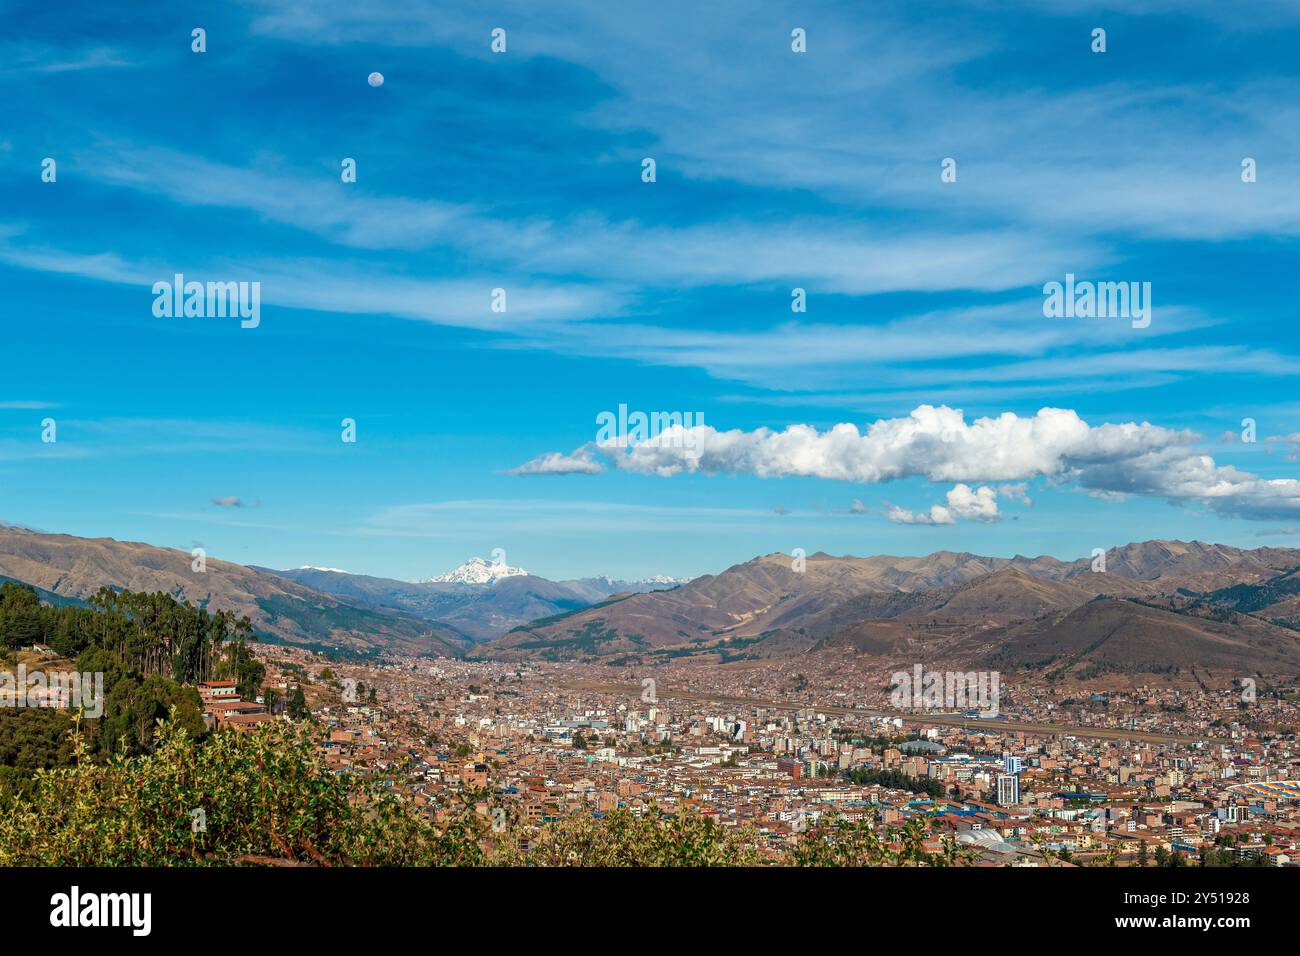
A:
(38, 59)
(1038, 192)
(1027, 153)
(824, 252)
(929, 355)
(326, 286)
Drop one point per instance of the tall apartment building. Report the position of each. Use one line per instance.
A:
(1008, 789)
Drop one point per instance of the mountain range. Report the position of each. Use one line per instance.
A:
(479, 599)
(280, 609)
(321, 608)
(1159, 607)
(1190, 609)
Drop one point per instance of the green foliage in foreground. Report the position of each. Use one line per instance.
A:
(624, 839)
(857, 843)
(267, 797)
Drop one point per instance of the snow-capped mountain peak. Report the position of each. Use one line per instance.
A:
(478, 571)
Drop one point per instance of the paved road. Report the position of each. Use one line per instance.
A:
(942, 720)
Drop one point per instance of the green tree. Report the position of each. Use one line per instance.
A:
(20, 616)
(266, 794)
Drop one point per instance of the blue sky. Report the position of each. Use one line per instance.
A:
(522, 170)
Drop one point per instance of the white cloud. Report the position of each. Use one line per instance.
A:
(973, 504)
(964, 503)
(580, 462)
(936, 443)
(931, 442)
(1016, 492)
(937, 514)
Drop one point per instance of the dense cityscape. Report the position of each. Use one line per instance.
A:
(1148, 777)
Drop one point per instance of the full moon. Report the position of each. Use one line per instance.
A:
(375, 79)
